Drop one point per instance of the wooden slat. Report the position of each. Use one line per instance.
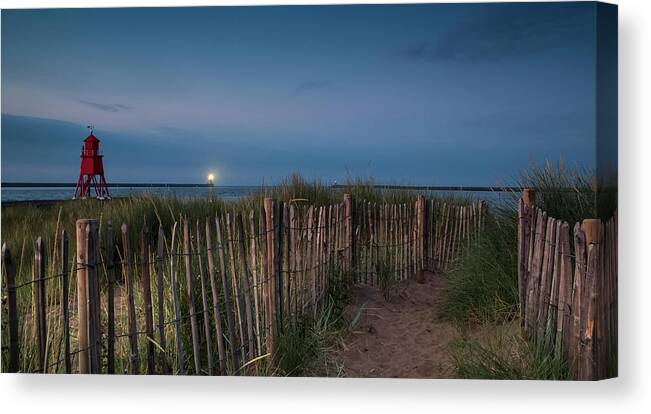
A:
(134, 366)
(226, 290)
(110, 273)
(577, 300)
(237, 296)
(189, 290)
(40, 304)
(65, 311)
(276, 280)
(160, 289)
(544, 287)
(523, 243)
(12, 314)
(285, 261)
(246, 289)
(215, 301)
(82, 306)
(204, 301)
(588, 368)
(94, 305)
(564, 318)
(313, 259)
(533, 283)
(270, 271)
(254, 273)
(264, 277)
(180, 352)
(552, 313)
(146, 291)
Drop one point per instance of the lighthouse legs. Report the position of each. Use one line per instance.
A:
(103, 188)
(83, 187)
(86, 182)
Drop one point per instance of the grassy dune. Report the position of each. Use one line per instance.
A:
(482, 289)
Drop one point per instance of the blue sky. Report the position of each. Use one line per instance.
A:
(439, 94)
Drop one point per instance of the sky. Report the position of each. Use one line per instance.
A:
(430, 94)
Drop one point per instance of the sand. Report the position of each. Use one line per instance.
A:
(399, 338)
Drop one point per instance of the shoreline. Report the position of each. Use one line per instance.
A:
(40, 203)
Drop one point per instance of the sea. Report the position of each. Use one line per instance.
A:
(15, 194)
(23, 194)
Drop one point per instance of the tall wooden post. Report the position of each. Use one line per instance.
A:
(83, 314)
(529, 197)
(525, 209)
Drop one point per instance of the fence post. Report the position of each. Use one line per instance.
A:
(12, 315)
(529, 197)
(525, 209)
(590, 363)
(83, 314)
(350, 238)
(420, 222)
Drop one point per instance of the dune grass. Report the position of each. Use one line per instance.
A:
(506, 355)
(304, 348)
(482, 286)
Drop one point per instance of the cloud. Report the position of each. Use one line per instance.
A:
(311, 85)
(106, 107)
(499, 32)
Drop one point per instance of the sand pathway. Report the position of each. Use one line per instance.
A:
(399, 338)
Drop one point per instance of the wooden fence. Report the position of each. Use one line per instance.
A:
(568, 288)
(213, 296)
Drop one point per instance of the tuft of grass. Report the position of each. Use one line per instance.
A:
(386, 278)
(304, 348)
(568, 194)
(507, 356)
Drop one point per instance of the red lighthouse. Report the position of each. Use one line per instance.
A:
(91, 172)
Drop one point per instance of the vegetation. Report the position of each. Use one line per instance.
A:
(305, 347)
(482, 287)
(506, 355)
